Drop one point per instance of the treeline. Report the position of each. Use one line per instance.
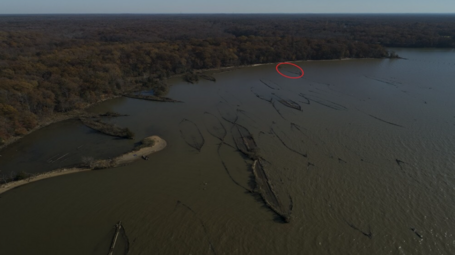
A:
(395, 30)
(55, 31)
(51, 64)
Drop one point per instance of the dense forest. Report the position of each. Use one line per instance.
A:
(59, 63)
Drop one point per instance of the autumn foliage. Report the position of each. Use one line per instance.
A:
(59, 63)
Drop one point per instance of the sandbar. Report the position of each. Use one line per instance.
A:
(158, 144)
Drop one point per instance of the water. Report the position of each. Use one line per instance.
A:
(377, 177)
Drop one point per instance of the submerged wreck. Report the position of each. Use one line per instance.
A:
(271, 85)
(227, 113)
(288, 102)
(91, 115)
(261, 183)
(123, 241)
(244, 141)
(191, 134)
(207, 77)
(112, 114)
(214, 126)
(106, 128)
(265, 189)
(152, 98)
(191, 77)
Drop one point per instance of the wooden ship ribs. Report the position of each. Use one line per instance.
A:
(262, 185)
(191, 134)
(244, 141)
(265, 189)
(288, 102)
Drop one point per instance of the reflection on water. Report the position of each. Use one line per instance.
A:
(362, 148)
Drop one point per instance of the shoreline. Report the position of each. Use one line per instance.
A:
(127, 158)
(64, 171)
(58, 117)
(229, 68)
(74, 114)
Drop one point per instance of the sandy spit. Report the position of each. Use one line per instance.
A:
(129, 157)
(11, 185)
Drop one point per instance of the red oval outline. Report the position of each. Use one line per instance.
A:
(290, 77)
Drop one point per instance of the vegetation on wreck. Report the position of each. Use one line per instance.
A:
(106, 128)
(193, 77)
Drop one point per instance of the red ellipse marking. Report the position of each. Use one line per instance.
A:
(290, 77)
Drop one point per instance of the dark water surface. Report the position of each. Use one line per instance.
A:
(368, 162)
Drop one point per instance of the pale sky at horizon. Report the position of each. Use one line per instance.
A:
(227, 6)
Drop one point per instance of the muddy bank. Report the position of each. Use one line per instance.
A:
(260, 183)
(149, 146)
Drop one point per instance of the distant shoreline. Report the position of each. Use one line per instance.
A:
(228, 68)
(158, 145)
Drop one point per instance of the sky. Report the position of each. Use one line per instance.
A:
(226, 6)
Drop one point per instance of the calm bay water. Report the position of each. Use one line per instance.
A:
(378, 177)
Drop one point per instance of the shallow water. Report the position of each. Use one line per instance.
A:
(367, 159)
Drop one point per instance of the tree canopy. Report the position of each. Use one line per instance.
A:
(60, 63)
